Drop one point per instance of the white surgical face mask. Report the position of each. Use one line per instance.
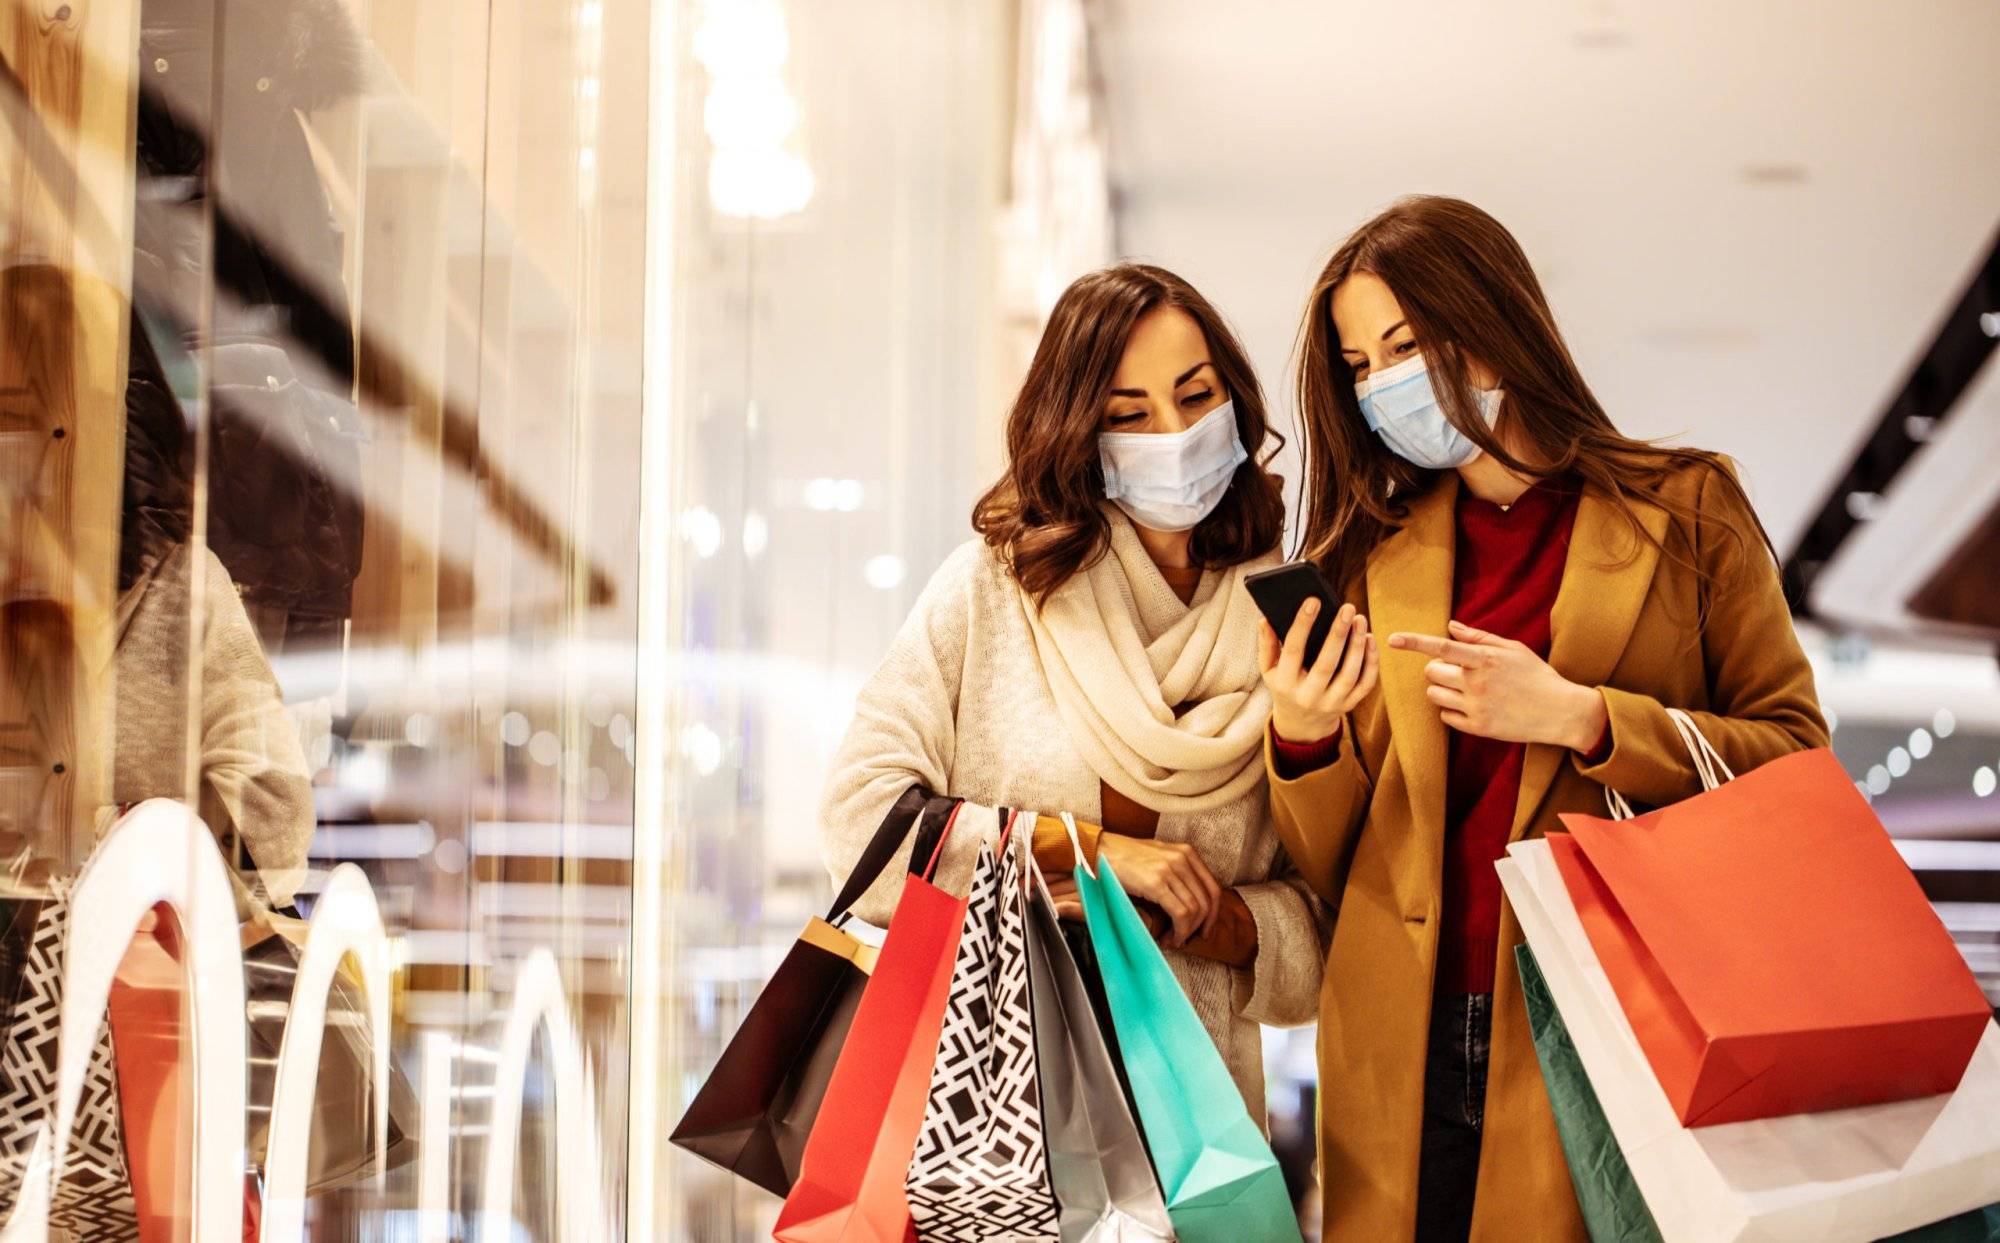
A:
(1169, 481)
(1402, 408)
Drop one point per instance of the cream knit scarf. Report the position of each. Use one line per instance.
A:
(1121, 652)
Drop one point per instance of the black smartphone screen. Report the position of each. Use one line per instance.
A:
(1280, 592)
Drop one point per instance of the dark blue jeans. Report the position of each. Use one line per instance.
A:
(1454, 1108)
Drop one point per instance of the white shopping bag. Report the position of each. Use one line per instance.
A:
(1856, 1174)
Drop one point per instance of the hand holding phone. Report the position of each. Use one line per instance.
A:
(1310, 696)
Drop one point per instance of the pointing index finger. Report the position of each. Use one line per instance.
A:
(1432, 645)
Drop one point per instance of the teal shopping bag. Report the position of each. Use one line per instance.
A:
(1613, 1209)
(1222, 1183)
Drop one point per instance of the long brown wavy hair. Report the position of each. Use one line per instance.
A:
(1043, 514)
(1468, 292)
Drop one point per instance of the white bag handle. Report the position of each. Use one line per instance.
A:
(1076, 844)
(1708, 763)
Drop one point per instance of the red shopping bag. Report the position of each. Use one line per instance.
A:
(1770, 947)
(850, 1184)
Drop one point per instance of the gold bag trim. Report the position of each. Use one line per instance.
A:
(841, 944)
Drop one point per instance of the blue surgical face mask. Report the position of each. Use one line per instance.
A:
(1170, 481)
(1402, 408)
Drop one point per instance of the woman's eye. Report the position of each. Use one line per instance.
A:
(1198, 399)
(1126, 418)
(1407, 347)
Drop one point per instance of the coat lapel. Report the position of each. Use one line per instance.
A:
(1409, 588)
(1606, 578)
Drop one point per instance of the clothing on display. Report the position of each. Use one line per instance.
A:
(285, 510)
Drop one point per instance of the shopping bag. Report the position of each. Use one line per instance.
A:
(93, 1201)
(980, 1171)
(755, 1110)
(1613, 1209)
(1849, 1174)
(850, 1183)
(1098, 1164)
(1222, 1182)
(1769, 945)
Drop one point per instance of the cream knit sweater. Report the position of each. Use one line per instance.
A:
(960, 706)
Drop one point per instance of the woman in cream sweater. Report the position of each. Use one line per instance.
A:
(1095, 653)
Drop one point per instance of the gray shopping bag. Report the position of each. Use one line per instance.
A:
(1103, 1179)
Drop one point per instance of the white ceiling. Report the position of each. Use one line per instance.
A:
(1768, 316)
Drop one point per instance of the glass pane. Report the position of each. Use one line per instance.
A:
(329, 535)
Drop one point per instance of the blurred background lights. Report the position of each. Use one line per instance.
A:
(749, 114)
(514, 729)
(1983, 781)
(1878, 780)
(756, 534)
(745, 113)
(702, 530)
(741, 38)
(1943, 723)
(758, 184)
(544, 748)
(1920, 742)
(884, 572)
(702, 747)
(844, 495)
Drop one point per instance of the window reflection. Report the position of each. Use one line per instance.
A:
(320, 522)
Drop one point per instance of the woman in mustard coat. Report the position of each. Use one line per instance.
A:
(1546, 588)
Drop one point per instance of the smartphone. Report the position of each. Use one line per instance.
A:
(1280, 593)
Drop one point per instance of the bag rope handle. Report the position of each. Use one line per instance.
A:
(937, 852)
(1709, 767)
(1076, 845)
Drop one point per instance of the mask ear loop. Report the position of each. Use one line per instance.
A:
(1076, 845)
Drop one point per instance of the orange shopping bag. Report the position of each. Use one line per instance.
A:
(1769, 946)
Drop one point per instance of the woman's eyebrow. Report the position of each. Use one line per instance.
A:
(1184, 377)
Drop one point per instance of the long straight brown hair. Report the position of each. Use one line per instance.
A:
(1468, 292)
(1043, 514)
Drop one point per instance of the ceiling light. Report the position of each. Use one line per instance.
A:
(1878, 780)
(1920, 742)
(1943, 723)
(1899, 762)
(1989, 323)
(1983, 781)
(1861, 506)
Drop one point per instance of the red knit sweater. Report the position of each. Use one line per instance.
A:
(1504, 580)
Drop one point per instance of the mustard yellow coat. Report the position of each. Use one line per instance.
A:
(1367, 832)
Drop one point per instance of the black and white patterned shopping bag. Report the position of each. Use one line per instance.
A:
(980, 1173)
(92, 1202)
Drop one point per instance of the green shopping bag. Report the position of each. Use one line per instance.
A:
(1221, 1181)
(1613, 1209)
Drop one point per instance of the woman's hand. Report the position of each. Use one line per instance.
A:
(1069, 905)
(1496, 688)
(1169, 874)
(1307, 705)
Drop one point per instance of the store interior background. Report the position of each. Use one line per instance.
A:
(685, 334)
